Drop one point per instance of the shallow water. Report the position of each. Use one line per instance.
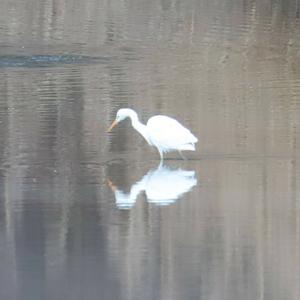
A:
(90, 215)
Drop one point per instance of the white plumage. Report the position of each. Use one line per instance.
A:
(169, 134)
(163, 132)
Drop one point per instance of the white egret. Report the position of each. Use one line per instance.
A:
(163, 132)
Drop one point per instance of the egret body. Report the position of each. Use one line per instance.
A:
(162, 132)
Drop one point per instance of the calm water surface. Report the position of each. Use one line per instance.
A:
(90, 215)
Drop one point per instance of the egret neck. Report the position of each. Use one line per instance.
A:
(140, 127)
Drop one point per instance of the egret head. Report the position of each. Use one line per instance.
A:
(122, 114)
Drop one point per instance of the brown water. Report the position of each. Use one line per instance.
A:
(90, 215)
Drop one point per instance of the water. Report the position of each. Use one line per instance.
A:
(90, 215)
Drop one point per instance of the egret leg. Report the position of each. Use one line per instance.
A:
(182, 156)
(161, 156)
(160, 164)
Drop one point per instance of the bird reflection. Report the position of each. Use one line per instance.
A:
(162, 186)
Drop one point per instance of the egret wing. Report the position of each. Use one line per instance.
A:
(168, 133)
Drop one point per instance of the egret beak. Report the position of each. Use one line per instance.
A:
(113, 124)
(111, 185)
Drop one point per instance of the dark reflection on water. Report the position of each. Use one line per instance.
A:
(39, 61)
(229, 71)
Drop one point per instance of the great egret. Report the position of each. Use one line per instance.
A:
(163, 132)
